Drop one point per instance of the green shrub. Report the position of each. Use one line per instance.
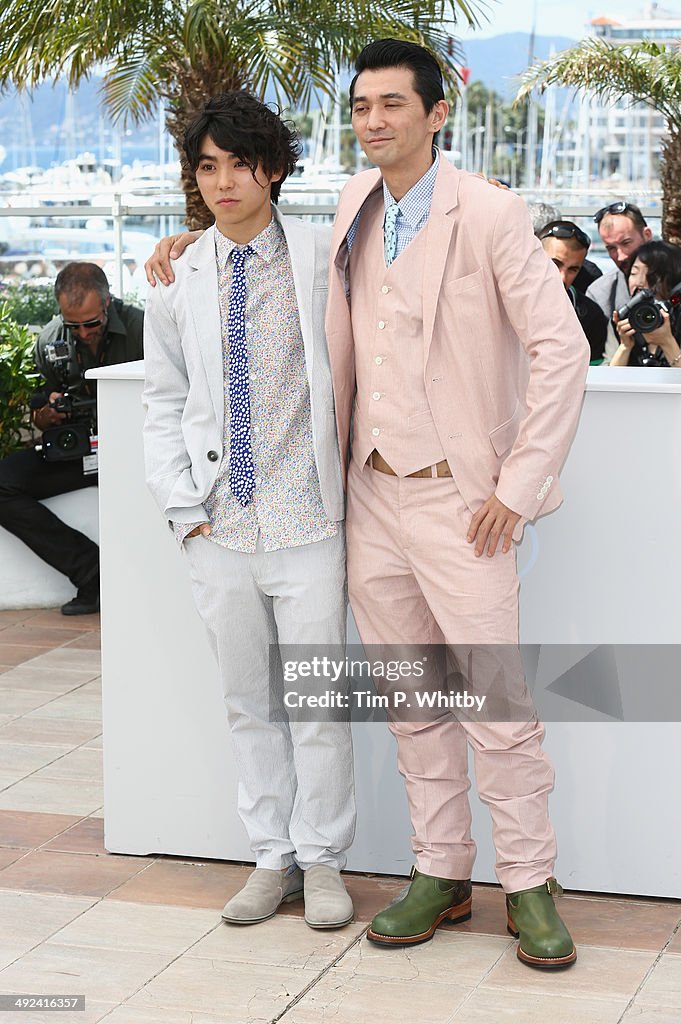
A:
(18, 381)
(29, 303)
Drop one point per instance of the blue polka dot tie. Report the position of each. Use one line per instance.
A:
(241, 474)
(390, 233)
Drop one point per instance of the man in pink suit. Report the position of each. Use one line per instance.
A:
(459, 364)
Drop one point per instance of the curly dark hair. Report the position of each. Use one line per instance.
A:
(240, 123)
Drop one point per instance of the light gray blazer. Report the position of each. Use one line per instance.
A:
(610, 291)
(184, 377)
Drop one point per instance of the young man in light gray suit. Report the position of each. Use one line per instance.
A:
(242, 458)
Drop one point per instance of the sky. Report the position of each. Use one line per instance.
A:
(559, 17)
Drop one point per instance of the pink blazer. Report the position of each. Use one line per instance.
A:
(504, 358)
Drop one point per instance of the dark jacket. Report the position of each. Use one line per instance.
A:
(593, 321)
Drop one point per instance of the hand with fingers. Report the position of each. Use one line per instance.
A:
(169, 248)
(492, 523)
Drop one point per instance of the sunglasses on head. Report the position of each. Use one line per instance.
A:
(72, 325)
(566, 231)
(621, 206)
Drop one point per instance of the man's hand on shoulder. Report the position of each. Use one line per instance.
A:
(493, 181)
(490, 524)
(169, 248)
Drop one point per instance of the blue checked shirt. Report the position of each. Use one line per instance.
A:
(414, 208)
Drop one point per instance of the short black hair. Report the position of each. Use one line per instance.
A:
(395, 53)
(663, 264)
(240, 123)
(75, 280)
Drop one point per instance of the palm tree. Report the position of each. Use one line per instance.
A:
(183, 51)
(644, 72)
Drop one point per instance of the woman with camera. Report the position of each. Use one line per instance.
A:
(656, 267)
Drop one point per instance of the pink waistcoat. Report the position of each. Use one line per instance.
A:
(391, 405)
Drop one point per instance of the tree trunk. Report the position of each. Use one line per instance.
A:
(671, 185)
(192, 89)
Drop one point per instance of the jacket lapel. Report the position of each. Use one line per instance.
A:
(353, 196)
(440, 226)
(204, 303)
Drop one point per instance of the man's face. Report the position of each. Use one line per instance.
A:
(87, 320)
(390, 121)
(622, 238)
(239, 202)
(567, 257)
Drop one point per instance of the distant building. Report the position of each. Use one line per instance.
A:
(624, 140)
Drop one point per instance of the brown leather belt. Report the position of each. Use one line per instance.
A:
(377, 462)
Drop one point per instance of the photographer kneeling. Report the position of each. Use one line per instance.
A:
(93, 330)
(649, 325)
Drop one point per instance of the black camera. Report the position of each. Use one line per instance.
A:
(644, 313)
(71, 439)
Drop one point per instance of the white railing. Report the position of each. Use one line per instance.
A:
(168, 210)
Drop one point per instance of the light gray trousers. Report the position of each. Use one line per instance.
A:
(296, 792)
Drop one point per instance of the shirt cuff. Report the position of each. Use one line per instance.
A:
(182, 529)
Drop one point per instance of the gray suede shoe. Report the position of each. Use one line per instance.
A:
(327, 904)
(262, 894)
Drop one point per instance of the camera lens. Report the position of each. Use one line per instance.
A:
(646, 318)
(67, 440)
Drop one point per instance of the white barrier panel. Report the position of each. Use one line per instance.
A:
(28, 582)
(604, 569)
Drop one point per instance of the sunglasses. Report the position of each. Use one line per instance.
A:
(71, 325)
(567, 231)
(621, 206)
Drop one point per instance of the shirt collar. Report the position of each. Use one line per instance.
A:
(416, 203)
(115, 325)
(265, 245)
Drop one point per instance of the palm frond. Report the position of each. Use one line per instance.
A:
(644, 72)
(130, 88)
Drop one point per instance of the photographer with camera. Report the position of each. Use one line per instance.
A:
(649, 325)
(93, 329)
(623, 229)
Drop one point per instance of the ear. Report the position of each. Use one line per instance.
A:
(438, 115)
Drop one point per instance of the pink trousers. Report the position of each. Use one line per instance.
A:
(414, 579)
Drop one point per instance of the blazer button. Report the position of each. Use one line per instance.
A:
(212, 456)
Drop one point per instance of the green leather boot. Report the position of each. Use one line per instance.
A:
(533, 918)
(415, 917)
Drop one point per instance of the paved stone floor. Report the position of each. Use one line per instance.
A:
(141, 937)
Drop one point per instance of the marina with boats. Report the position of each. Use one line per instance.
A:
(574, 152)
